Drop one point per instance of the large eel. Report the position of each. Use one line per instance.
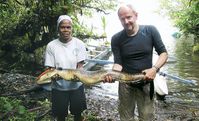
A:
(87, 77)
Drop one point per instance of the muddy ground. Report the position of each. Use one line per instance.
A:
(104, 107)
(171, 109)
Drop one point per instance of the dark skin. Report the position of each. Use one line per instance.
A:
(65, 31)
(65, 35)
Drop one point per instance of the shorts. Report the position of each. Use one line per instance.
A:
(75, 100)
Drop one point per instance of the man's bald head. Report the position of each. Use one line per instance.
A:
(126, 7)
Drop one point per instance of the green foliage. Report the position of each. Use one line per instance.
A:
(184, 13)
(26, 26)
(46, 103)
(14, 109)
(196, 48)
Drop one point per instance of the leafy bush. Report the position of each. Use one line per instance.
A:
(13, 110)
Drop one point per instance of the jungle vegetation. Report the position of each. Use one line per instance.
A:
(26, 26)
(185, 16)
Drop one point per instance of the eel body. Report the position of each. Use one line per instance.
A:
(87, 77)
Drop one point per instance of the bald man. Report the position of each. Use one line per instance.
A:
(132, 49)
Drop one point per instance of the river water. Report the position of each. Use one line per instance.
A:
(182, 102)
(182, 99)
(181, 63)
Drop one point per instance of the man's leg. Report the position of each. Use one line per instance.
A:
(59, 104)
(145, 104)
(78, 103)
(126, 102)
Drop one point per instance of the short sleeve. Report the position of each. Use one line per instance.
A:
(49, 57)
(157, 41)
(82, 53)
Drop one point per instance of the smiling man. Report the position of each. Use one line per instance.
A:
(132, 49)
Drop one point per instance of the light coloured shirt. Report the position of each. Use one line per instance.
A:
(65, 56)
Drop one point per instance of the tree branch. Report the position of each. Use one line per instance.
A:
(91, 7)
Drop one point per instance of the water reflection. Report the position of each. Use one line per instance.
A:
(186, 67)
(187, 64)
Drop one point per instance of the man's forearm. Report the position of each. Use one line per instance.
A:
(162, 59)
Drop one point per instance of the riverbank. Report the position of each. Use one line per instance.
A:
(100, 105)
(22, 87)
(171, 109)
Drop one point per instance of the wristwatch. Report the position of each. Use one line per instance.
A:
(157, 68)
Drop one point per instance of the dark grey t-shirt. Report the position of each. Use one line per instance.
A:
(135, 53)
